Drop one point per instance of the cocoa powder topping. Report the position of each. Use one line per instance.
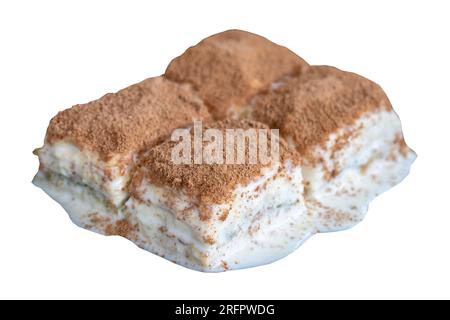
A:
(313, 105)
(134, 118)
(229, 68)
(209, 183)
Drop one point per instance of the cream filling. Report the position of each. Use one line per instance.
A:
(369, 162)
(85, 207)
(274, 238)
(85, 167)
(344, 201)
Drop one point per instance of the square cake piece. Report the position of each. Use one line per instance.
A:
(91, 149)
(349, 137)
(229, 68)
(215, 217)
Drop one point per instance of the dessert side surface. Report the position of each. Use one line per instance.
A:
(108, 162)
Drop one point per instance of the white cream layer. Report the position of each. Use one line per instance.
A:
(85, 167)
(369, 163)
(84, 206)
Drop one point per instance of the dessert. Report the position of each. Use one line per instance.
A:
(215, 217)
(120, 165)
(349, 137)
(229, 68)
(91, 149)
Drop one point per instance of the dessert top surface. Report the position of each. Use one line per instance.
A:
(133, 118)
(209, 183)
(229, 68)
(309, 107)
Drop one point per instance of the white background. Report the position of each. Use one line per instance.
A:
(54, 54)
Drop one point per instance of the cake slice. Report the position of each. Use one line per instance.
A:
(348, 135)
(215, 217)
(91, 149)
(229, 68)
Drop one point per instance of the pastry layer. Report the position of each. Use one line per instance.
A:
(108, 179)
(263, 221)
(99, 143)
(212, 217)
(348, 135)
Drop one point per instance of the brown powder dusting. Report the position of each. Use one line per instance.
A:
(224, 214)
(209, 240)
(209, 183)
(120, 228)
(364, 167)
(344, 139)
(318, 102)
(229, 68)
(400, 142)
(133, 118)
(225, 265)
(96, 219)
(341, 141)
